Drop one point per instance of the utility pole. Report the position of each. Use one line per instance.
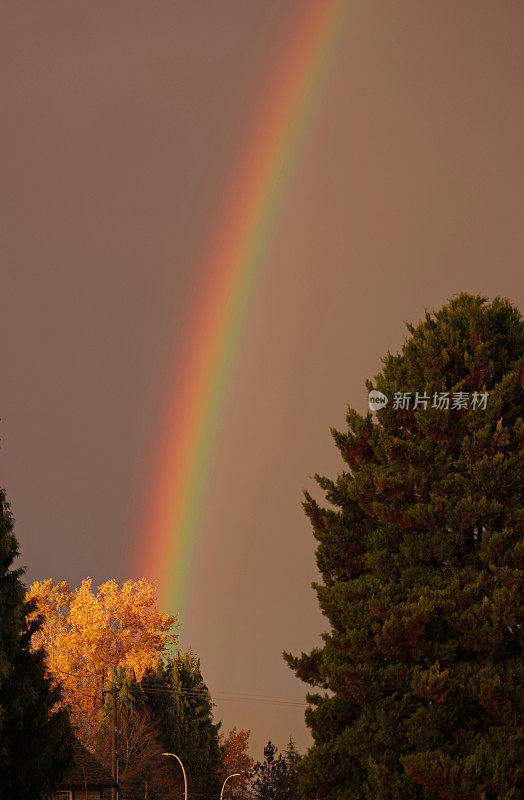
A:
(113, 743)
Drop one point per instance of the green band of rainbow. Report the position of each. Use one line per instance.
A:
(199, 391)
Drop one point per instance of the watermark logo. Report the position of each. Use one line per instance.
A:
(442, 401)
(377, 400)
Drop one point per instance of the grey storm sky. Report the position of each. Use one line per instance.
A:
(121, 124)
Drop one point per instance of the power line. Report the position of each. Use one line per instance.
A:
(221, 695)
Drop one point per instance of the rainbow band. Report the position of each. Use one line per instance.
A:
(198, 394)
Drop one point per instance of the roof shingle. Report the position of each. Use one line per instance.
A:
(86, 771)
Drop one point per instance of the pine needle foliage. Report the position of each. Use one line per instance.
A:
(181, 703)
(35, 736)
(420, 551)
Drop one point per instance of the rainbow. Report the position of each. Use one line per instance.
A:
(196, 398)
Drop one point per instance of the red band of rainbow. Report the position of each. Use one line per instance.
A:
(199, 390)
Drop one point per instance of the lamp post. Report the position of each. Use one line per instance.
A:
(234, 775)
(183, 770)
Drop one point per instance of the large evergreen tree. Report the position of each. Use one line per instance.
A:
(35, 737)
(181, 703)
(420, 551)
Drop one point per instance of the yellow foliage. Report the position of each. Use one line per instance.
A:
(236, 758)
(89, 636)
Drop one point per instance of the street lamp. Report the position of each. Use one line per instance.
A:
(183, 770)
(234, 775)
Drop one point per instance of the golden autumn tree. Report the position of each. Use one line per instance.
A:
(88, 636)
(235, 758)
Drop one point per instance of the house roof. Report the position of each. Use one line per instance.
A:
(86, 770)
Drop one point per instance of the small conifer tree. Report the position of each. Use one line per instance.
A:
(274, 777)
(181, 703)
(139, 746)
